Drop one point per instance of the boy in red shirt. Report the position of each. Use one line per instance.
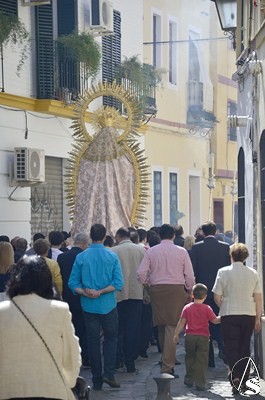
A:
(196, 317)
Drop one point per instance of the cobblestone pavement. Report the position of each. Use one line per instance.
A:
(141, 385)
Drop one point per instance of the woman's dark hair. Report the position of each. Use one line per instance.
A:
(149, 234)
(109, 241)
(31, 275)
(142, 234)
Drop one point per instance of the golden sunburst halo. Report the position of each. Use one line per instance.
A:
(128, 127)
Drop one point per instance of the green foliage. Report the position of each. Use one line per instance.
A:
(142, 74)
(82, 47)
(14, 32)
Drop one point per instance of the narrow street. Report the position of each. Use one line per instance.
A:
(141, 385)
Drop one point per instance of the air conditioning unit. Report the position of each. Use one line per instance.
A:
(29, 165)
(101, 16)
(29, 3)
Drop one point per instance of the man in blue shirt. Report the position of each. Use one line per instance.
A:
(96, 275)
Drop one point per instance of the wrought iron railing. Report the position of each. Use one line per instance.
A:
(146, 94)
(59, 75)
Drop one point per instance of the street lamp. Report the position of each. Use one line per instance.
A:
(227, 14)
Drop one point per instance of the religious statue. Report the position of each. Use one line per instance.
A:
(107, 178)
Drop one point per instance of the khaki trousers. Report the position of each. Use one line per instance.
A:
(196, 359)
(168, 347)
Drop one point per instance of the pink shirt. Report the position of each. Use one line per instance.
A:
(197, 316)
(166, 263)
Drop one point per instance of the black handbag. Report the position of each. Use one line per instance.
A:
(81, 389)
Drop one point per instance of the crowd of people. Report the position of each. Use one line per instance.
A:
(113, 297)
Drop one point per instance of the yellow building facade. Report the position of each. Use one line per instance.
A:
(192, 161)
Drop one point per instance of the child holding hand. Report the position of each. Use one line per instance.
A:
(196, 317)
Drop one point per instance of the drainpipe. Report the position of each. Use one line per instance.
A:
(2, 67)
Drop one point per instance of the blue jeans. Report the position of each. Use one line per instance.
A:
(109, 324)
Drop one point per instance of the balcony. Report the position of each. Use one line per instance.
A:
(196, 115)
(145, 94)
(195, 93)
(59, 76)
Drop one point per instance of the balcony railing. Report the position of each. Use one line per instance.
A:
(59, 75)
(196, 115)
(146, 95)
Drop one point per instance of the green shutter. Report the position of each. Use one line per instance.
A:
(45, 52)
(9, 6)
(111, 56)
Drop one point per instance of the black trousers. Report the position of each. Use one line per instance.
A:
(237, 331)
(146, 328)
(80, 331)
(215, 333)
(129, 316)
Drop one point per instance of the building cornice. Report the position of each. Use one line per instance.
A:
(53, 107)
(45, 106)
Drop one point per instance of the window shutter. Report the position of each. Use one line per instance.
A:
(45, 52)
(9, 7)
(111, 57)
(66, 12)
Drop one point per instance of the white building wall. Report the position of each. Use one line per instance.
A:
(50, 133)
(47, 132)
(21, 85)
(251, 103)
(131, 27)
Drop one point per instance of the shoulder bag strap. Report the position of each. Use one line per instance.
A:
(41, 338)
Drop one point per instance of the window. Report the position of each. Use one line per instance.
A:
(195, 86)
(156, 38)
(172, 53)
(173, 198)
(232, 110)
(194, 64)
(66, 11)
(111, 57)
(218, 211)
(157, 179)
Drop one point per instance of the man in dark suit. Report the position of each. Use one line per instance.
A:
(207, 256)
(66, 261)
